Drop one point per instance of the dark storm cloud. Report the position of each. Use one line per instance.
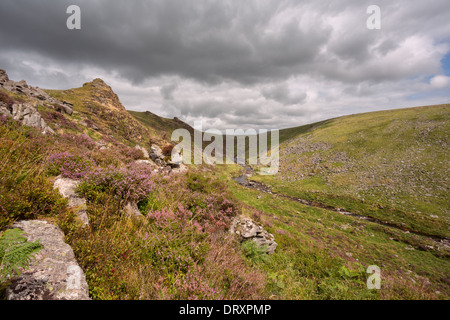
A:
(205, 40)
(283, 95)
(168, 90)
(260, 62)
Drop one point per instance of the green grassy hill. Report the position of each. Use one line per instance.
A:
(160, 126)
(98, 110)
(392, 165)
(389, 165)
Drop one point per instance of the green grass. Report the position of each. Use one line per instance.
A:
(25, 192)
(102, 107)
(391, 165)
(317, 246)
(159, 126)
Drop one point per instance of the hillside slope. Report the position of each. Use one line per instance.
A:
(160, 126)
(389, 165)
(99, 109)
(392, 165)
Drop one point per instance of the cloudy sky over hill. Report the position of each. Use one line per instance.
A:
(260, 64)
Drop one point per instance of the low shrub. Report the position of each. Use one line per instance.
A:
(25, 192)
(68, 165)
(167, 150)
(133, 183)
(55, 117)
(129, 154)
(3, 119)
(7, 99)
(80, 140)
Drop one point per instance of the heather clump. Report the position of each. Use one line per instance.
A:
(129, 154)
(25, 193)
(80, 140)
(68, 165)
(178, 249)
(7, 99)
(131, 183)
(210, 205)
(212, 211)
(3, 119)
(57, 119)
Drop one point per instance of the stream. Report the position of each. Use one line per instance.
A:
(243, 180)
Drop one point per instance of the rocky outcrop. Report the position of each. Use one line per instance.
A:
(54, 273)
(179, 168)
(173, 165)
(26, 111)
(147, 162)
(28, 115)
(247, 229)
(34, 93)
(66, 188)
(157, 155)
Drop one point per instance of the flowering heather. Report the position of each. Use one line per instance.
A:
(134, 182)
(80, 140)
(212, 212)
(4, 97)
(3, 119)
(160, 217)
(51, 116)
(68, 165)
(193, 286)
(128, 154)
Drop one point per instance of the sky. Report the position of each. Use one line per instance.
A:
(236, 64)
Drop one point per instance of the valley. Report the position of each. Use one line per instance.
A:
(362, 190)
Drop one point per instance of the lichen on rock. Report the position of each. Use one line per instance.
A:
(247, 229)
(54, 274)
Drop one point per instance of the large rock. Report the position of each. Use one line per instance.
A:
(176, 163)
(147, 162)
(156, 154)
(54, 274)
(247, 229)
(28, 115)
(35, 94)
(3, 76)
(181, 168)
(66, 188)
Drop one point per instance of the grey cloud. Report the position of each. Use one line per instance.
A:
(282, 94)
(216, 46)
(206, 40)
(168, 90)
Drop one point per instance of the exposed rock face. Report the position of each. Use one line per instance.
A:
(176, 158)
(103, 94)
(54, 274)
(156, 154)
(174, 165)
(179, 168)
(27, 112)
(247, 229)
(35, 93)
(149, 162)
(29, 116)
(66, 188)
